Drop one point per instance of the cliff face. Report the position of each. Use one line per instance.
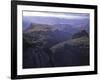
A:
(55, 46)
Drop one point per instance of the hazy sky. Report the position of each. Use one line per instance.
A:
(57, 15)
(54, 18)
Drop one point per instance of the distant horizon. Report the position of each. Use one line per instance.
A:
(63, 15)
(55, 18)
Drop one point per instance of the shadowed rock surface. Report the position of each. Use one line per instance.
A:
(49, 47)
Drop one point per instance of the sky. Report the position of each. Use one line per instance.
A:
(58, 15)
(52, 18)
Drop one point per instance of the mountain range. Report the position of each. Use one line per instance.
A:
(55, 45)
(77, 22)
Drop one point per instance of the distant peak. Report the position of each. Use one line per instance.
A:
(80, 34)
